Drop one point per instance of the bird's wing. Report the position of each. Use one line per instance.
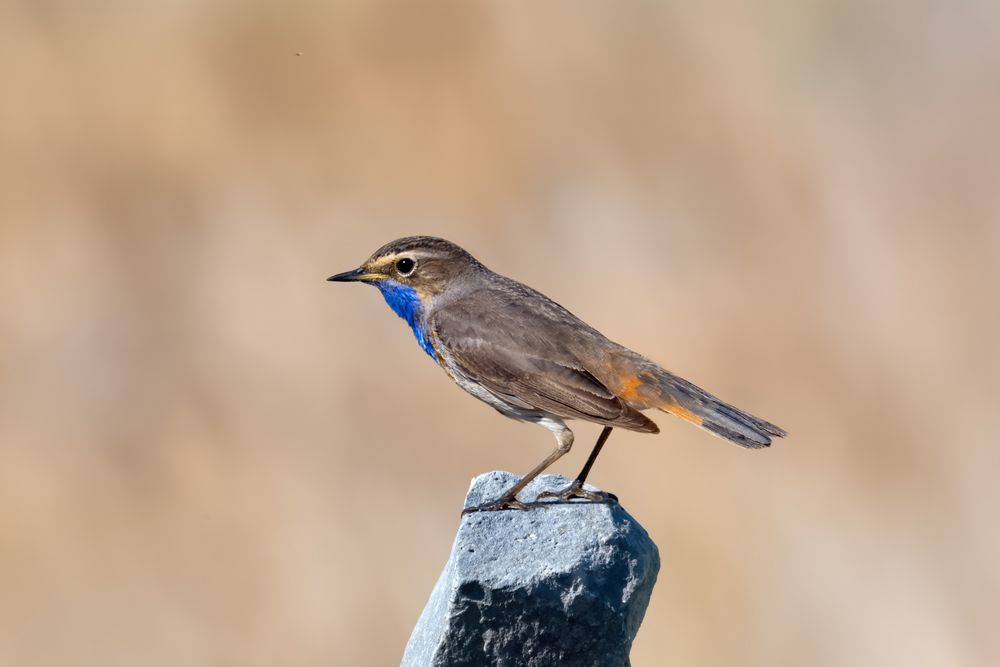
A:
(513, 357)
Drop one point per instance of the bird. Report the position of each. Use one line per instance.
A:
(532, 360)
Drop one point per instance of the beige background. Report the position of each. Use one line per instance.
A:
(210, 456)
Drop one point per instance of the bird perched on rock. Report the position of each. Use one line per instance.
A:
(532, 360)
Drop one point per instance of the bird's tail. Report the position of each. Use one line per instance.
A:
(691, 403)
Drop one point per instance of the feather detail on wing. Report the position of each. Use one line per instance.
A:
(525, 369)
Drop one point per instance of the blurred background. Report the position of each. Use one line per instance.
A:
(211, 456)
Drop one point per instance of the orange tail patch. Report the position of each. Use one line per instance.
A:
(641, 391)
(630, 390)
(675, 408)
(644, 391)
(644, 385)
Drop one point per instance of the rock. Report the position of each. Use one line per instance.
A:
(562, 584)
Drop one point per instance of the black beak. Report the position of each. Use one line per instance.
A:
(347, 276)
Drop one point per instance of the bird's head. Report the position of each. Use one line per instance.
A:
(411, 273)
(423, 265)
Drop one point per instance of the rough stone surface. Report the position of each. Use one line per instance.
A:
(563, 584)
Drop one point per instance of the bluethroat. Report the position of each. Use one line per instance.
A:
(532, 360)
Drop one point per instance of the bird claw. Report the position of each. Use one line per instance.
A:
(505, 503)
(576, 490)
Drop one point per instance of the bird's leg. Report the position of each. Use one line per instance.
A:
(575, 489)
(564, 440)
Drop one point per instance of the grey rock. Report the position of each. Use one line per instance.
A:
(563, 584)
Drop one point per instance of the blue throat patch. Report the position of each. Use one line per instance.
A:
(406, 303)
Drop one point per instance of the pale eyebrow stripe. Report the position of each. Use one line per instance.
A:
(416, 254)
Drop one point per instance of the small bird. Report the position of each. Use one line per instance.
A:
(532, 360)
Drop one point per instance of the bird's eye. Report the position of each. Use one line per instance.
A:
(405, 266)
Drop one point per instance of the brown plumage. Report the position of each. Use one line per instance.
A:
(533, 360)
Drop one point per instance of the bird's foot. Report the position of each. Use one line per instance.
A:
(576, 490)
(505, 503)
